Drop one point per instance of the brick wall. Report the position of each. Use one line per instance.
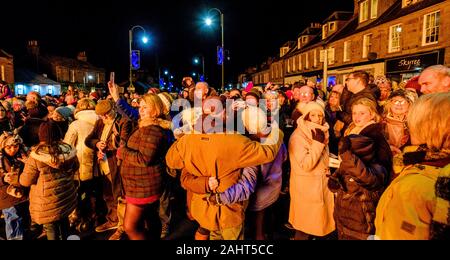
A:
(7, 70)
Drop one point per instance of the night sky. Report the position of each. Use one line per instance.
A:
(254, 30)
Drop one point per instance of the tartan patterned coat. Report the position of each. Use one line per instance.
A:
(143, 162)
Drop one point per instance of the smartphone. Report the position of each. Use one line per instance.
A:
(111, 77)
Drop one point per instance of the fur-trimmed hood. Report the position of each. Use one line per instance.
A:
(65, 159)
(164, 124)
(306, 126)
(88, 116)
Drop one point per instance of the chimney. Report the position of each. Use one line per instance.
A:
(33, 48)
(33, 52)
(82, 56)
(316, 25)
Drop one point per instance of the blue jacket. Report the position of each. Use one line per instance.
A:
(126, 110)
(242, 190)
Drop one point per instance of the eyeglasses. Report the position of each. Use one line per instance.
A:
(398, 102)
(307, 94)
(347, 79)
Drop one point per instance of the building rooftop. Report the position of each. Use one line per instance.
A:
(26, 76)
(69, 62)
(4, 54)
(338, 16)
(394, 12)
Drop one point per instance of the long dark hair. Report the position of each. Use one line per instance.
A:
(50, 137)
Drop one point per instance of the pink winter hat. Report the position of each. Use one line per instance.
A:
(249, 86)
(289, 94)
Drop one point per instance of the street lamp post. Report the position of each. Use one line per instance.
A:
(144, 40)
(196, 61)
(223, 44)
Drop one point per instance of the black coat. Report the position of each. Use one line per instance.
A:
(347, 100)
(361, 179)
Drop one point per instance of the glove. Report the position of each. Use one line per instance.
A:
(344, 145)
(318, 135)
(334, 182)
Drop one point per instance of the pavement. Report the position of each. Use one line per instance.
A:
(184, 229)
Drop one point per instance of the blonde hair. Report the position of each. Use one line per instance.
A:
(84, 104)
(155, 105)
(429, 122)
(372, 105)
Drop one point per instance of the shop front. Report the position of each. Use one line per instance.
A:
(403, 68)
(338, 75)
(314, 76)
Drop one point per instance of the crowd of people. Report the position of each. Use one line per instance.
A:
(368, 159)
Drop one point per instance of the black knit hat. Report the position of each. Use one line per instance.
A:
(50, 132)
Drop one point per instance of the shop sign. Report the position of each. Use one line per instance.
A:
(412, 63)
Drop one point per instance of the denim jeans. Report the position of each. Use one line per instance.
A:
(58, 230)
(14, 224)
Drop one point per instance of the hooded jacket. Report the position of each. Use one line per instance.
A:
(53, 195)
(416, 205)
(76, 136)
(312, 204)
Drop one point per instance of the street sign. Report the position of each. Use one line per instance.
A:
(219, 55)
(135, 59)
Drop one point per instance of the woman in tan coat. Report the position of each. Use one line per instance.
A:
(312, 204)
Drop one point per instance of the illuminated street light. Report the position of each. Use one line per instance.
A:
(197, 61)
(130, 37)
(208, 22)
(166, 72)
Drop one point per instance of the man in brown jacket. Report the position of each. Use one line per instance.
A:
(108, 134)
(221, 156)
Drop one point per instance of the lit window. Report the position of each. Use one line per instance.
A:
(395, 33)
(374, 9)
(315, 58)
(331, 56)
(20, 89)
(304, 39)
(306, 61)
(50, 90)
(36, 88)
(406, 3)
(367, 45)
(332, 27)
(324, 31)
(347, 47)
(294, 63)
(2, 76)
(364, 11)
(431, 28)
